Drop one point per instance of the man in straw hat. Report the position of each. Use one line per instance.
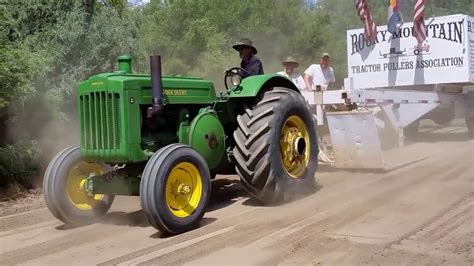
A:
(289, 67)
(250, 62)
(320, 74)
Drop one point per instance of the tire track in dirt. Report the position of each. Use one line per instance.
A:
(177, 246)
(57, 245)
(136, 241)
(237, 222)
(21, 230)
(445, 222)
(343, 252)
(453, 223)
(392, 184)
(430, 221)
(24, 219)
(62, 243)
(449, 238)
(245, 233)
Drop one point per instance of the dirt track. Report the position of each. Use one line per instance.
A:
(419, 213)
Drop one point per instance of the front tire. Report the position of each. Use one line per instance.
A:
(276, 149)
(64, 191)
(175, 188)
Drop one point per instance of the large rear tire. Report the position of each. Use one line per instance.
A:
(64, 191)
(175, 188)
(276, 149)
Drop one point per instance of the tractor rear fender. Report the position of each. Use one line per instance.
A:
(251, 86)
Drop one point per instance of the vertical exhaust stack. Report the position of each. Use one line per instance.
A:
(156, 86)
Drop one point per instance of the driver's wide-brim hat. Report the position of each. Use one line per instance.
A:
(290, 61)
(245, 43)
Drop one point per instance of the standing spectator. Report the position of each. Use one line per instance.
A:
(289, 67)
(320, 74)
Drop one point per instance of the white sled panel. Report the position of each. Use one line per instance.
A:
(355, 140)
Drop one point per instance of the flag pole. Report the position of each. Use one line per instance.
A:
(432, 14)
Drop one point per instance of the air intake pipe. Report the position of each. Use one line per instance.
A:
(156, 86)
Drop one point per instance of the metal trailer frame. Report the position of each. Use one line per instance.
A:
(354, 133)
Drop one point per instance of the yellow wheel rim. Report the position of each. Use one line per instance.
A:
(294, 146)
(75, 185)
(183, 189)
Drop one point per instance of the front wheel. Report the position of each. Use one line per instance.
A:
(64, 188)
(175, 188)
(276, 149)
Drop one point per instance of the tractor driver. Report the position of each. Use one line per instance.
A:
(250, 62)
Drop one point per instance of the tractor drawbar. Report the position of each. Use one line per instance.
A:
(156, 86)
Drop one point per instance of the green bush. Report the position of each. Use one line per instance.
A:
(16, 163)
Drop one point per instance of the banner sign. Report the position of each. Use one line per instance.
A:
(446, 56)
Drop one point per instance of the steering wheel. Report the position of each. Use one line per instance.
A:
(235, 77)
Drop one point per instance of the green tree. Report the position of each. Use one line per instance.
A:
(50, 46)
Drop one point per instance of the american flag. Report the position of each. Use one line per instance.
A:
(419, 30)
(370, 29)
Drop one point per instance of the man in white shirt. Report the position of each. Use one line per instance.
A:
(289, 67)
(320, 74)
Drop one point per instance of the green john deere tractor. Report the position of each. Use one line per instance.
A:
(165, 138)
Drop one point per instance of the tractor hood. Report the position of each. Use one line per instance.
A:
(176, 89)
(109, 107)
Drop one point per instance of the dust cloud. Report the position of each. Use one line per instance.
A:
(48, 132)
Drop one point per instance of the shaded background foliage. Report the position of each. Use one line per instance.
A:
(48, 46)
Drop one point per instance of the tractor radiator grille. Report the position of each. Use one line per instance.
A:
(100, 120)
